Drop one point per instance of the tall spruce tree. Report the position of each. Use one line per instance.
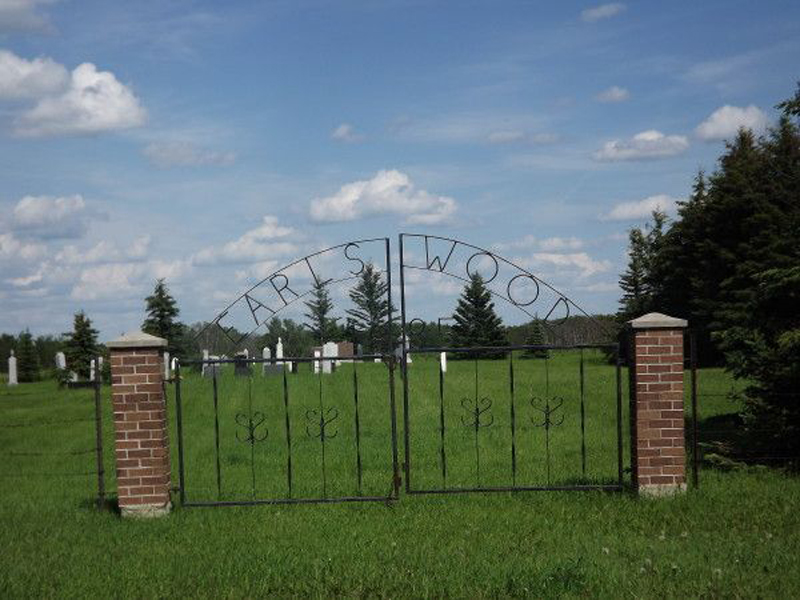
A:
(162, 312)
(81, 345)
(476, 322)
(641, 281)
(371, 313)
(535, 337)
(319, 322)
(27, 358)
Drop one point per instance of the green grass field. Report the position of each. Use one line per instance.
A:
(737, 535)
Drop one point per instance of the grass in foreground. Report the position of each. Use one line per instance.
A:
(738, 535)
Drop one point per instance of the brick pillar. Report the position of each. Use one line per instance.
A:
(658, 461)
(140, 423)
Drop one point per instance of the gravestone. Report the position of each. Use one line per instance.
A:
(173, 363)
(241, 366)
(12, 369)
(61, 361)
(73, 376)
(269, 368)
(360, 350)
(166, 366)
(100, 367)
(317, 354)
(204, 367)
(279, 352)
(246, 353)
(408, 354)
(329, 349)
(211, 369)
(92, 370)
(443, 362)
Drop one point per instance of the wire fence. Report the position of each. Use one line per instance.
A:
(38, 435)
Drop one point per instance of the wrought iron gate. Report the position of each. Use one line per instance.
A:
(276, 430)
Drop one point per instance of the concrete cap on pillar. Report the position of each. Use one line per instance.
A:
(656, 320)
(137, 339)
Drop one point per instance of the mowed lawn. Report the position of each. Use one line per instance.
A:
(737, 535)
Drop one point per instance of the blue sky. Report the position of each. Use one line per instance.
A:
(211, 143)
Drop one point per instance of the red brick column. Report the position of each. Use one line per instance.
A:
(658, 460)
(140, 424)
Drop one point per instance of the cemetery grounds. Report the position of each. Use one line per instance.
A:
(738, 534)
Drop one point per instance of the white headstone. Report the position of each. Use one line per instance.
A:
(360, 350)
(443, 362)
(12, 369)
(61, 360)
(92, 370)
(377, 360)
(100, 366)
(205, 366)
(329, 349)
(73, 376)
(246, 353)
(279, 351)
(408, 354)
(317, 354)
(173, 364)
(266, 354)
(166, 365)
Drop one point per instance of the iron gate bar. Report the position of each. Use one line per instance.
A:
(525, 488)
(288, 432)
(358, 428)
(583, 420)
(404, 366)
(510, 348)
(179, 415)
(395, 493)
(441, 424)
(619, 417)
(513, 420)
(216, 436)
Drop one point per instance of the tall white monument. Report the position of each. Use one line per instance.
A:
(12, 369)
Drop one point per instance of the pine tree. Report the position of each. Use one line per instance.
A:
(322, 326)
(635, 298)
(535, 337)
(162, 311)
(372, 311)
(27, 358)
(476, 323)
(81, 345)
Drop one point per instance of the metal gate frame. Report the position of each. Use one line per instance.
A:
(404, 324)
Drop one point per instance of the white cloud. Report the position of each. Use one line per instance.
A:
(613, 94)
(21, 78)
(185, 154)
(725, 122)
(23, 15)
(648, 144)
(346, 133)
(256, 245)
(12, 248)
(140, 247)
(642, 209)
(51, 216)
(388, 192)
(120, 280)
(604, 11)
(94, 101)
(469, 127)
(552, 244)
(579, 262)
(104, 251)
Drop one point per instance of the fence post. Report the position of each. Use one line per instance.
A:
(658, 455)
(141, 446)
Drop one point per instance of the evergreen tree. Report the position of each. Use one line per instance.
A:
(81, 345)
(535, 337)
(322, 326)
(642, 281)
(162, 311)
(371, 313)
(27, 358)
(476, 323)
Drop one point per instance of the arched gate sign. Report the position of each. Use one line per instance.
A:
(323, 427)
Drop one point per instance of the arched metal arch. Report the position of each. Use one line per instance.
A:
(438, 263)
(286, 296)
